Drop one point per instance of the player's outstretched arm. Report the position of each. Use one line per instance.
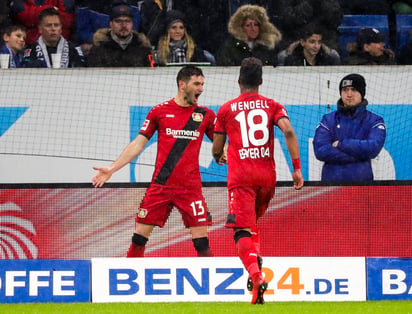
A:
(293, 148)
(132, 150)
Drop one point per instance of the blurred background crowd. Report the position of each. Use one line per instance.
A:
(130, 33)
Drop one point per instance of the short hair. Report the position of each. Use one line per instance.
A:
(48, 12)
(187, 72)
(250, 74)
(12, 28)
(310, 29)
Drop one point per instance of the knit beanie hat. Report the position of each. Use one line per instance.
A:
(174, 16)
(356, 81)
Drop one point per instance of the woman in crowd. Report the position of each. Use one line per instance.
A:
(251, 35)
(176, 45)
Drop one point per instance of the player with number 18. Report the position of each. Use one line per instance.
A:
(248, 121)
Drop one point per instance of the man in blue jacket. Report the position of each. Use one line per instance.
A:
(347, 139)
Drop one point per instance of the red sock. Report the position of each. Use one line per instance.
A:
(248, 255)
(255, 238)
(206, 253)
(135, 250)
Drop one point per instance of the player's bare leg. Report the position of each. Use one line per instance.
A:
(139, 240)
(201, 241)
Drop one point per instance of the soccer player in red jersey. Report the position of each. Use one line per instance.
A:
(248, 121)
(181, 124)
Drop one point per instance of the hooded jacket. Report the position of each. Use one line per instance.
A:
(361, 135)
(108, 53)
(236, 48)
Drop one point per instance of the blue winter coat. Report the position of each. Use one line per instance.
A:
(361, 135)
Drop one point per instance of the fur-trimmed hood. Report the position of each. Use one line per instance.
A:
(103, 35)
(269, 35)
(296, 44)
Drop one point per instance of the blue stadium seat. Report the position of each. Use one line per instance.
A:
(403, 28)
(351, 24)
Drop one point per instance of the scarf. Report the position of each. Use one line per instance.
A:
(62, 47)
(123, 43)
(15, 59)
(177, 51)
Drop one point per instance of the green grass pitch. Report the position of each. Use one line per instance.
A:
(212, 307)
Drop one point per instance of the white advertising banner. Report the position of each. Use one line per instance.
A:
(224, 279)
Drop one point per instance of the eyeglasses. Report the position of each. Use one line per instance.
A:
(122, 21)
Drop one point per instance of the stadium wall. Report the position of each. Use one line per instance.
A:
(78, 221)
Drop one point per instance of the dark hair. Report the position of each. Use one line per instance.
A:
(187, 72)
(310, 29)
(12, 28)
(48, 12)
(250, 74)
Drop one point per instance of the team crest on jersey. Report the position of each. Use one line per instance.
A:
(196, 116)
(145, 124)
(27, 53)
(142, 213)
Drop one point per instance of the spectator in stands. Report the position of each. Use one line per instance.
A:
(119, 45)
(51, 41)
(293, 15)
(206, 20)
(251, 35)
(14, 38)
(91, 15)
(369, 49)
(26, 12)
(347, 139)
(176, 45)
(309, 50)
(372, 7)
(405, 55)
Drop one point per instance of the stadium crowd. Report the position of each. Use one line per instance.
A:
(279, 33)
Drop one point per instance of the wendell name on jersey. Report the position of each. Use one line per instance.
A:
(249, 105)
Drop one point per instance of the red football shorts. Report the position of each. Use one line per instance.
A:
(159, 201)
(247, 204)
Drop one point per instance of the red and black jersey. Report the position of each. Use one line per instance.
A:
(180, 134)
(249, 121)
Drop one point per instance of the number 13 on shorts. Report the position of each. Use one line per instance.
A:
(198, 208)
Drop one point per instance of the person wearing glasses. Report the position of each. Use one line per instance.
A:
(120, 45)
